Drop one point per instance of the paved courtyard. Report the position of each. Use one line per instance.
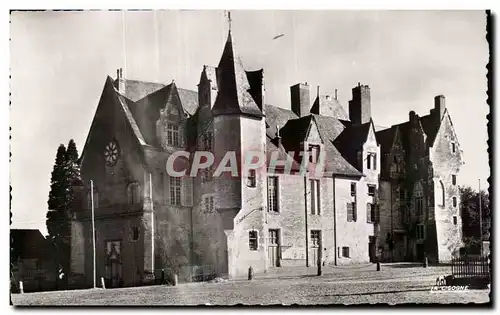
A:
(392, 285)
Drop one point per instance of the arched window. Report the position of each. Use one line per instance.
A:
(419, 199)
(133, 193)
(440, 194)
(95, 197)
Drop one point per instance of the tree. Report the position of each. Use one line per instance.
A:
(469, 204)
(65, 176)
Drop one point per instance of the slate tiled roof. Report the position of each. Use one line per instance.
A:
(233, 96)
(142, 102)
(136, 90)
(294, 130)
(351, 140)
(189, 100)
(329, 106)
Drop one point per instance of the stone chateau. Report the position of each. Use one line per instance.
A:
(385, 194)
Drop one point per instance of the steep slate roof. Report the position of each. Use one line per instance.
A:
(136, 90)
(143, 103)
(189, 100)
(429, 123)
(329, 106)
(351, 140)
(293, 130)
(233, 96)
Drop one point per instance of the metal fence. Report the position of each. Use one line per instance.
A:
(469, 266)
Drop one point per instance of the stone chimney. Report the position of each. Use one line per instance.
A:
(360, 105)
(300, 99)
(120, 85)
(439, 105)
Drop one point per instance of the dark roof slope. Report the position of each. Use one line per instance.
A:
(233, 96)
(28, 243)
(351, 140)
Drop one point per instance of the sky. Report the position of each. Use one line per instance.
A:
(59, 62)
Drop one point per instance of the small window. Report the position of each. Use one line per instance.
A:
(133, 193)
(252, 178)
(371, 190)
(441, 195)
(315, 197)
(345, 252)
(454, 179)
(453, 147)
(208, 204)
(420, 229)
(315, 238)
(313, 153)
(173, 135)
(135, 233)
(351, 211)
(252, 240)
(454, 202)
(454, 220)
(206, 175)
(353, 189)
(175, 191)
(371, 215)
(402, 193)
(272, 194)
(371, 161)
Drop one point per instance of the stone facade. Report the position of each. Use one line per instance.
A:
(360, 202)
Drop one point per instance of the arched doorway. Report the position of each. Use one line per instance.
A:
(113, 264)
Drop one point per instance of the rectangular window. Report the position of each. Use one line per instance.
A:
(253, 242)
(371, 215)
(208, 202)
(454, 202)
(419, 206)
(315, 238)
(453, 180)
(402, 194)
(173, 135)
(315, 196)
(272, 194)
(420, 231)
(313, 153)
(252, 178)
(453, 147)
(454, 220)
(274, 237)
(206, 174)
(371, 190)
(135, 233)
(175, 191)
(351, 211)
(345, 252)
(353, 189)
(371, 161)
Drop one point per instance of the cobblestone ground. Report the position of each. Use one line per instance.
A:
(391, 286)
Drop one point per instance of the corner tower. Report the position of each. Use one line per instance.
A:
(239, 127)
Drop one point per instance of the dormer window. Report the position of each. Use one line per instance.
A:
(314, 150)
(173, 138)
